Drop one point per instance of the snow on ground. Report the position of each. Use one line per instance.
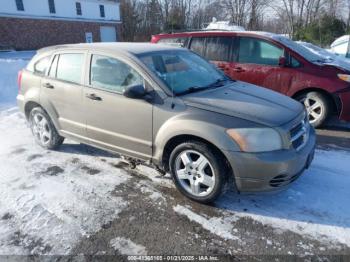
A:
(10, 64)
(51, 197)
(316, 205)
(50, 200)
(216, 225)
(127, 247)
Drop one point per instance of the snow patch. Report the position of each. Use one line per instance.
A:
(48, 199)
(151, 192)
(127, 247)
(10, 64)
(221, 227)
(154, 175)
(315, 205)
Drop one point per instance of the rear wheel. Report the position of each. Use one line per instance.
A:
(317, 106)
(44, 131)
(198, 171)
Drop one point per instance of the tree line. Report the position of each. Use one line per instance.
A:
(316, 21)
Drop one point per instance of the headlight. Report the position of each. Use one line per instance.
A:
(255, 140)
(344, 77)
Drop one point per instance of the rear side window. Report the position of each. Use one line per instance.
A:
(219, 48)
(174, 41)
(112, 74)
(70, 67)
(256, 51)
(42, 65)
(198, 45)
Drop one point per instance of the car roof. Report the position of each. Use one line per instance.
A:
(120, 47)
(221, 32)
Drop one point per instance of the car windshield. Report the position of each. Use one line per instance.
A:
(301, 50)
(183, 72)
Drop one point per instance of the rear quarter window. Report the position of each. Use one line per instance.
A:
(174, 41)
(39, 66)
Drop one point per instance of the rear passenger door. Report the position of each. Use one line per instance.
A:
(62, 90)
(219, 52)
(217, 49)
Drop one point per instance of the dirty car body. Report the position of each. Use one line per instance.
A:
(170, 108)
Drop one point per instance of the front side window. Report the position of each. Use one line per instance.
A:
(41, 66)
(219, 48)
(19, 5)
(52, 8)
(294, 62)
(256, 51)
(112, 74)
(182, 71)
(198, 45)
(102, 11)
(78, 8)
(70, 67)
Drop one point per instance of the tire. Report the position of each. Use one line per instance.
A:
(318, 107)
(204, 176)
(44, 131)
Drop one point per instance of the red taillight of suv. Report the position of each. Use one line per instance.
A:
(19, 80)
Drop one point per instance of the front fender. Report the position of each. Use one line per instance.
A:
(205, 125)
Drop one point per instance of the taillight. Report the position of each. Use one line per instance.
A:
(19, 80)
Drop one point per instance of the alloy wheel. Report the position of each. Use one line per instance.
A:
(314, 109)
(41, 128)
(195, 173)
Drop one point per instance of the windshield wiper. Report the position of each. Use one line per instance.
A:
(218, 83)
(192, 89)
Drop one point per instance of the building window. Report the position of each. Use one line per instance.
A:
(52, 6)
(19, 4)
(78, 7)
(102, 10)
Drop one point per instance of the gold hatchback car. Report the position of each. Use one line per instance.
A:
(171, 108)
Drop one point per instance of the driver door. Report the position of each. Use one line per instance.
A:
(114, 121)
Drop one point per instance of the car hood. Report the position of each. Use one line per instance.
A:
(248, 102)
(340, 63)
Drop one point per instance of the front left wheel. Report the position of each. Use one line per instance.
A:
(44, 131)
(198, 171)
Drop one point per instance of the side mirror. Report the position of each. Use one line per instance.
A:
(135, 92)
(282, 61)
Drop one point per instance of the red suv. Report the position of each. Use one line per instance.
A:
(277, 63)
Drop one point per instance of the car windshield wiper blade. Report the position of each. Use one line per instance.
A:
(218, 83)
(192, 89)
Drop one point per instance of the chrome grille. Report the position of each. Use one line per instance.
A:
(299, 134)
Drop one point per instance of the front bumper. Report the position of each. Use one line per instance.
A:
(270, 171)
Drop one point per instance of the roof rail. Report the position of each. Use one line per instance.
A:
(194, 30)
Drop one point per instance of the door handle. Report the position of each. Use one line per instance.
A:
(48, 85)
(94, 97)
(239, 69)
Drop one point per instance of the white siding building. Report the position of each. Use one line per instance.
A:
(31, 24)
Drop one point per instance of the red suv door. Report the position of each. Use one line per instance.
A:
(257, 62)
(217, 49)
